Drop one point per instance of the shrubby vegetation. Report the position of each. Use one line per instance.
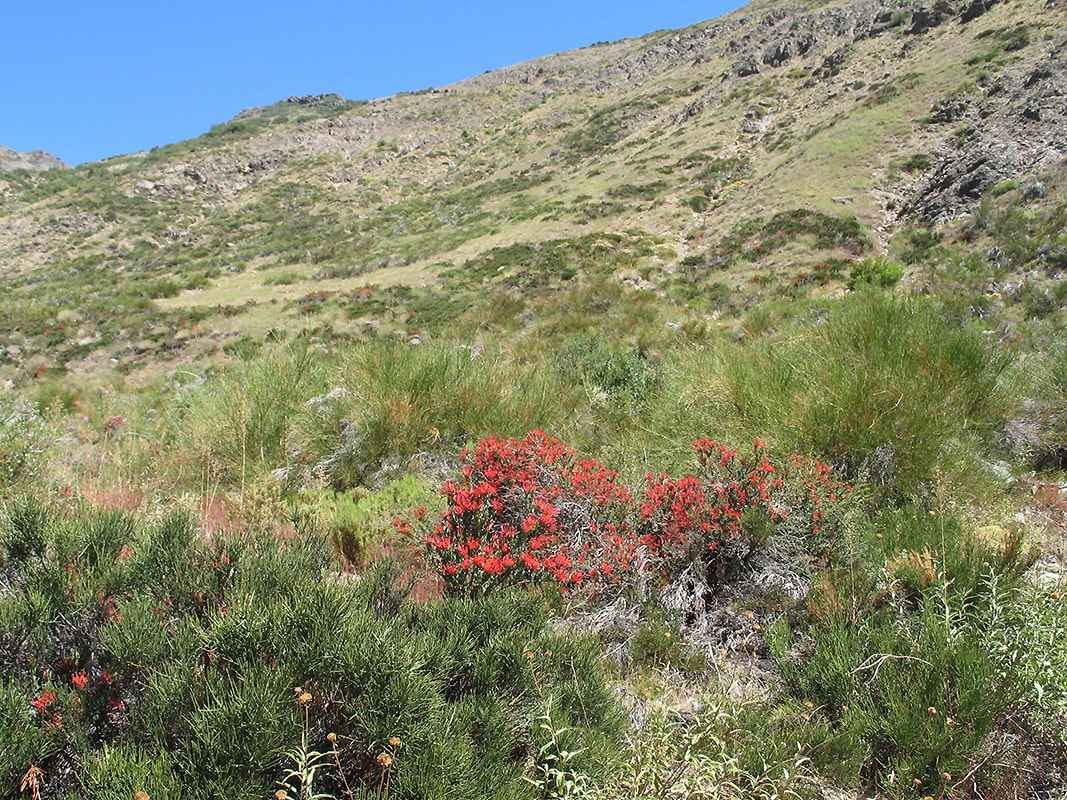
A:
(577, 518)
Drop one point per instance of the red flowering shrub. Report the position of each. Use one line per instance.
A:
(735, 499)
(530, 511)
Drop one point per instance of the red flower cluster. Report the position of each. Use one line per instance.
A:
(46, 711)
(529, 511)
(712, 508)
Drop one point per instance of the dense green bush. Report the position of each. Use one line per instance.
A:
(877, 271)
(144, 658)
(889, 388)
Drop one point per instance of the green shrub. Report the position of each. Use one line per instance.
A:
(238, 428)
(890, 389)
(625, 376)
(877, 271)
(164, 664)
(896, 651)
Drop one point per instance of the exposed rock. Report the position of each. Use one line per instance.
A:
(780, 53)
(926, 17)
(746, 67)
(831, 66)
(948, 110)
(38, 160)
(975, 9)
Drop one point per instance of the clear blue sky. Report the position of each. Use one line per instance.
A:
(89, 79)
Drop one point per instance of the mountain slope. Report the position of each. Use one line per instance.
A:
(866, 112)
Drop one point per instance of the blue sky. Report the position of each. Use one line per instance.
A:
(89, 79)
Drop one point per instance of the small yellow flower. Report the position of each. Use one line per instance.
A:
(281, 794)
(304, 698)
(385, 760)
(808, 704)
(141, 796)
(931, 711)
(528, 655)
(331, 737)
(916, 782)
(756, 626)
(394, 741)
(667, 635)
(946, 776)
(805, 717)
(548, 653)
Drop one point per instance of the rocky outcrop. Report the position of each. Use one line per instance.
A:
(1016, 126)
(38, 160)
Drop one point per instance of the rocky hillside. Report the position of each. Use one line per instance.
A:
(855, 120)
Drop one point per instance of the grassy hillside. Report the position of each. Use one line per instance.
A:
(680, 416)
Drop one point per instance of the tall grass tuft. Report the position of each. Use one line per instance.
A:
(880, 386)
(238, 428)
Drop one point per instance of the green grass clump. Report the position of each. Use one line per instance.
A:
(886, 388)
(238, 429)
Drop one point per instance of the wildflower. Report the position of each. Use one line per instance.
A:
(385, 760)
(394, 741)
(931, 711)
(281, 794)
(808, 704)
(331, 737)
(79, 680)
(304, 698)
(141, 796)
(46, 699)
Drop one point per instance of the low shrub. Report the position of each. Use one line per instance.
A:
(532, 512)
(878, 271)
(145, 659)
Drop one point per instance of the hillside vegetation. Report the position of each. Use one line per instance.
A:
(684, 416)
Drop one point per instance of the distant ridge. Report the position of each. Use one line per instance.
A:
(36, 160)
